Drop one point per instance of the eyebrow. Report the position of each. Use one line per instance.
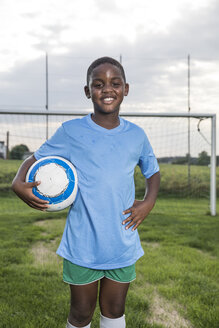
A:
(113, 78)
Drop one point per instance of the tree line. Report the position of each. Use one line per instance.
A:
(202, 159)
(19, 151)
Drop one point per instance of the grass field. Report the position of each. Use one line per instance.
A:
(174, 179)
(177, 281)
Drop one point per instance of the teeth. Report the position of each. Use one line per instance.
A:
(108, 99)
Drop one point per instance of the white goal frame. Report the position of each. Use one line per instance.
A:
(141, 114)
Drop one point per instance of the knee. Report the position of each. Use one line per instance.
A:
(113, 309)
(116, 311)
(81, 313)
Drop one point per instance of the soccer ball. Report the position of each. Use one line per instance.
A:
(59, 181)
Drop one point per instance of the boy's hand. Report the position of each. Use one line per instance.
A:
(24, 191)
(139, 210)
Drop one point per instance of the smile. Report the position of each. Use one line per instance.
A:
(108, 100)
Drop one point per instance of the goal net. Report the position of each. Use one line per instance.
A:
(182, 144)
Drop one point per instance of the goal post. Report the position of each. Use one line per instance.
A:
(213, 189)
(213, 193)
(9, 118)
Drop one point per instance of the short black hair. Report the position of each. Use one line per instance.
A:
(104, 60)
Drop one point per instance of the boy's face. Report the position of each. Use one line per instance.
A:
(106, 88)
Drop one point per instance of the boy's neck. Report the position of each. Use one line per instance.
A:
(107, 121)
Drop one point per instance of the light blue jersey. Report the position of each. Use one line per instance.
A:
(105, 160)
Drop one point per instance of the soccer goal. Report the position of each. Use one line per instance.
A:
(185, 145)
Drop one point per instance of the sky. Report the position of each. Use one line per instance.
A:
(152, 39)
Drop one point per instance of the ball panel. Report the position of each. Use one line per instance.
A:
(64, 199)
(54, 180)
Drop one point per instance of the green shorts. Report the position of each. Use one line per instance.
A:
(77, 275)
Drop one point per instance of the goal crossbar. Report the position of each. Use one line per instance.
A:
(82, 113)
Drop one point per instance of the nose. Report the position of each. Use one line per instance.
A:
(107, 87)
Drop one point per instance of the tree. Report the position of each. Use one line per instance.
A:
(18, 151)
(203, 158)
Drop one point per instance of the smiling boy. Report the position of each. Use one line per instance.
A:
(100, 243)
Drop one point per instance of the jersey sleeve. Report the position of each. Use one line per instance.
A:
(147, 161)
(54, 146)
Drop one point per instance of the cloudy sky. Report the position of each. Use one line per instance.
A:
(153, 39)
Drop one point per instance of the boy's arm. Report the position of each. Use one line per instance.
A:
(141, 208)
(24, 189)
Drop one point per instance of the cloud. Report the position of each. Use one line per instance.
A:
(106, 6)
(155, 64)
(48, 37)
(196, 32)
(30, 15)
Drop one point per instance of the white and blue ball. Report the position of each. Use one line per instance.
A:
(59, 181)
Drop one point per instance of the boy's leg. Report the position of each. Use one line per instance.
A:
(112, 303)
(83, 303)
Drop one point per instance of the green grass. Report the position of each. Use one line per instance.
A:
(8, 169)
(177, 281)
(174, 179)
(179, 271)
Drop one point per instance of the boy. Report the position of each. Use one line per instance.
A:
(100, 240)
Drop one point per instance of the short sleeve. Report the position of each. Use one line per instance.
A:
(147, 161)
(57, 145)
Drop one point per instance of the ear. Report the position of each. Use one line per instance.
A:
(126, 89)
(87, 92)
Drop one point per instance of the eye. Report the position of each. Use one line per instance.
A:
(98, 85)
(116, 85)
